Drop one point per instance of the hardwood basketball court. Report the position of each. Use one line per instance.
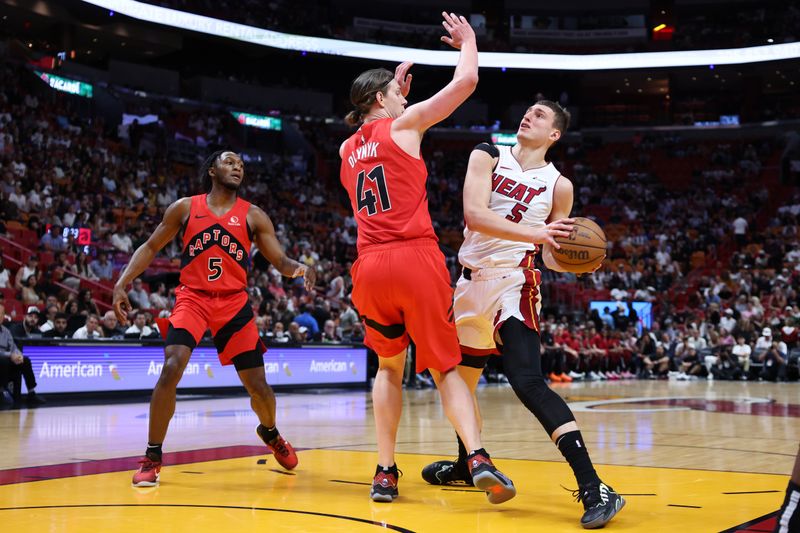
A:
(687, 456)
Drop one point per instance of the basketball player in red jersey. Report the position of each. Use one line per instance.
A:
(218, 229)
(401, 287)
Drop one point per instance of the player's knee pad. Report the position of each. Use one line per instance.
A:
(474, 361)
(522, 365)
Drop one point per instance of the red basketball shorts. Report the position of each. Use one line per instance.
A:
(402, 291)
(228, 315)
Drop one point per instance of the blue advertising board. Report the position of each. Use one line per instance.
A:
(123, 367)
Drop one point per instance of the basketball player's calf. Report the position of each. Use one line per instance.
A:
(523, 369)
(457, 472)
(250, 367)
(522, 363)
(162, 407)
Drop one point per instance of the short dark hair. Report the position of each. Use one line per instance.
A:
(363, 90)
(205, 177)
(562, 116)
(60, 316)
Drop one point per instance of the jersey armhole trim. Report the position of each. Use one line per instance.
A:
(490, 149)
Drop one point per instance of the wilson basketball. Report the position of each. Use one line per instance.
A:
(584, 249)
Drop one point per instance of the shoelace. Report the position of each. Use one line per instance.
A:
(591, 497)
(148, 464)
(280, 447)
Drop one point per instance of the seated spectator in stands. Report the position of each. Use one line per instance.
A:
(59, 330)
(31, 268)
(278, 334)
(329, 333)
(159, 299)
(275, 287)
(741, 350)
(322, 310)
(90, 330)
(306, 320)
(139, 329)
(262, 325)
(696, 341)
(102, 267)
(82, 267)
(656, 364)
(727, 320)
(46, 321)
(138, 296)
(121, 241)
(690, 363)
(5, 274)
(357, 333)
(53, 240)
(14, 366)
(774, 360)
(29, 295)
(28, 328)
(763, 343)
(65, 272)
(110, 326)
(297, 334)
(347, 318)
(727, 366)
(86, 304)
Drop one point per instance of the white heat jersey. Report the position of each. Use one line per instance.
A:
(522, 196)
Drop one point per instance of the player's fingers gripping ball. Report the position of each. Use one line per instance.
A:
(585, 248)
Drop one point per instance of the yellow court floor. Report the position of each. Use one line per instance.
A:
(706, 457)
(329, 492)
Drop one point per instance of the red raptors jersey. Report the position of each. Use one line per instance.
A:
(386, 187)
(216, 250)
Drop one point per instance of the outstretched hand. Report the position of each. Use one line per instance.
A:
(459, 29)
(403, 78)
(548, 233)
(121, 304)
(309, 275)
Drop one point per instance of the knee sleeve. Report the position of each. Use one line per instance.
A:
(474, 361)
(522, 363)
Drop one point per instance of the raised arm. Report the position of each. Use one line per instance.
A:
(479, 217)
(419, 117)
(267, 243)
(174, 217)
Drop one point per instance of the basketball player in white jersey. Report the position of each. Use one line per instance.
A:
(514, 201)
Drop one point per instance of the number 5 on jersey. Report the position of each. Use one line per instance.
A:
(215, 268)
(365, 191)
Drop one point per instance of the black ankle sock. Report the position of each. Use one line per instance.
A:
(462, 451)
(153, 451)
(387, 469)
(573, 449)
(267, 434)
(479, 451)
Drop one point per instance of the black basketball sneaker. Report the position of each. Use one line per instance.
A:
(600, 504)
(447, 473)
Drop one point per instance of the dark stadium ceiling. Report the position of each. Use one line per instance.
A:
(73, 25)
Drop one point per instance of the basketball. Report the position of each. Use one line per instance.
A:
(584, 249)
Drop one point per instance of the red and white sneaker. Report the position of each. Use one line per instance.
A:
(283, 452)
(489, 479)
(147, 475)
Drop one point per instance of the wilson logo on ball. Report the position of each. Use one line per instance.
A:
(573, 254)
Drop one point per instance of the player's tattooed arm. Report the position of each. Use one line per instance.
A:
(267, 243)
